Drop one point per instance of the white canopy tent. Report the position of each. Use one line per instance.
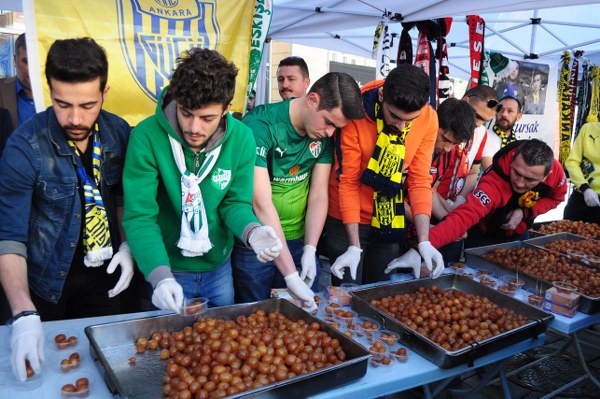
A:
(518, 29)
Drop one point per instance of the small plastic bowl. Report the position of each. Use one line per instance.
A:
(378, 351)
(32, 382)
(513, 281)
(535, 300)
(63, 339)
(366, 327)
(67, 361)
(507, 289)
(73, 385)
(344, 317)
(488, 281)
(348, 287)
(400, 355)
(483, 273)
(194, 306)
(425, 272)
(457, 267)
(330, 308)
(390, 338)
(594, 261)
(564, 287)
(576, 255)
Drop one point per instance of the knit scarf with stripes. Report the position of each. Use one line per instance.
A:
(96, 233)
(506, 138)
(384, 175)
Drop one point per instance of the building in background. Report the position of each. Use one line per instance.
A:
(11, 25)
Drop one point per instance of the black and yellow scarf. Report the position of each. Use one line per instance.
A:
(384, 175)
(506, 138)
(96, 236)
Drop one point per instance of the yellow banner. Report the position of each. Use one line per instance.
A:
(143, 39)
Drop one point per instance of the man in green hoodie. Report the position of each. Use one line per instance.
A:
(188, 186)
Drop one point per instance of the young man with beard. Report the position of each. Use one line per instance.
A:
(294, 156)
(365, 224)
(502, 132)
(60, 204)
(524, 182)
(188, 186)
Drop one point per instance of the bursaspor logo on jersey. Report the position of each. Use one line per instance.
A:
(153, 33)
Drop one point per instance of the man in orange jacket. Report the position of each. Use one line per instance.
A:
(365, 224)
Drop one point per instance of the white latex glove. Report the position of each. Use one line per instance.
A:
(411, 259)
(168, 295)
(591, 198)
(265, 243)
(432, 256)
(302, 294)
(27, 343)
(125, 259)
(309, 265)
(349, 259)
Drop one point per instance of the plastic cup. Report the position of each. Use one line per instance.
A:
(367, 327)
(194, 306)
(576, 255)
(390, 338)
(513, 281)
(564, 287)
(457, 267)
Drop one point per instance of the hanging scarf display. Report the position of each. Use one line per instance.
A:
(573, 85)
(564, 98)
(442, 57)
(476, 35)
(405, 48)
(595, 78)
(423, 56)
(96, 233)
(384, 175)
(381, 48)
(193, 238)
(506, 138)
(582, 98)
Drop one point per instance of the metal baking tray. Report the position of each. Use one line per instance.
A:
(534, 231)
(538, 319)
(474, 257)
(542, 240)
(112, 344)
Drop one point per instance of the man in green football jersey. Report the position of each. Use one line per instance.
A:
(294, 153)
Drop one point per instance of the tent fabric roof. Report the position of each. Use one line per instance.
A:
(518, 29)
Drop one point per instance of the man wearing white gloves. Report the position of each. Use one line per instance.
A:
(60, 202)
(188, 186)
(294, 155)
(366, 226)
(583, 165)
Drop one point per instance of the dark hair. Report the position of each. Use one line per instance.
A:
(406, 87)
(458, 117)
(77, 61)
(253, 92)
(295, 61)
(482, 93)
(338, 89)
(203, 77)
(20, 43)
(513, 98)
(535, 152)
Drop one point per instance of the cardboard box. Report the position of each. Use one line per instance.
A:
(566, 299)
(558, 309)
(337, 295)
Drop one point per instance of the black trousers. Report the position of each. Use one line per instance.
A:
(576, 209)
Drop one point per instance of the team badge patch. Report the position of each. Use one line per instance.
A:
(315, 148)
(220, 178)
(153, 33)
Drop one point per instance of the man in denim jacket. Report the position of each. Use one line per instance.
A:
(56, 167)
